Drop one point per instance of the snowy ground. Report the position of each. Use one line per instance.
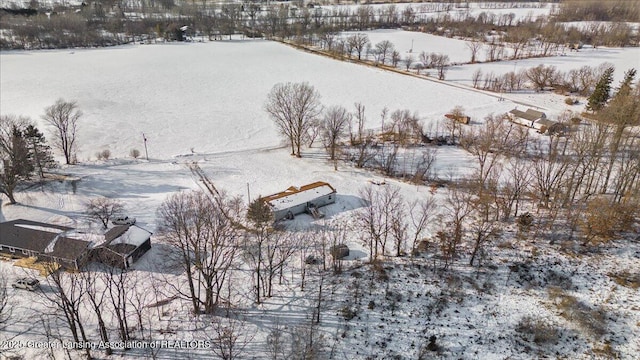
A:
(203, 103)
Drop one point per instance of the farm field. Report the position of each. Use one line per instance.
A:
(204, 103)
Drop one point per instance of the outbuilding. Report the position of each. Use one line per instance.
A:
(123, 245)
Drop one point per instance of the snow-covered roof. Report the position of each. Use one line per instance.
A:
(295, 196)
(133, 236)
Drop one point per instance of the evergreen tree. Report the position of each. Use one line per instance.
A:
(259, 214)
(16, 164)
(41, 155)
(625, 86)
(624, 108)
(601, 94)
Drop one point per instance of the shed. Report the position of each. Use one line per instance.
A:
(307, 198)
(463, 119)
(123, 245)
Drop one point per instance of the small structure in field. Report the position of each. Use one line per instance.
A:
(526, 118)
(463, 119)
(305, 199)
(339, 251)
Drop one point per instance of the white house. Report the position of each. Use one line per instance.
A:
(526, 118)
(307, 198)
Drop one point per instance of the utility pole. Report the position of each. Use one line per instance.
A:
(146, 153)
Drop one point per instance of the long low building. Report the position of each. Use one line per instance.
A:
(71, 249)
(305, 199)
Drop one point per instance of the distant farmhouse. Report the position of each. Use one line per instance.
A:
(537, 120)
(121, 246)
(526, 118)
(305, 199)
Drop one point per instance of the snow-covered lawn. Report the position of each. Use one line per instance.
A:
(203, 97)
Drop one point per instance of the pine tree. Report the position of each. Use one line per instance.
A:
(625, 85)
(601, 94)
(16, 162)
(41, 155)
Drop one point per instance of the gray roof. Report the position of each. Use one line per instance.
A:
(545, 122)
(530, 114)
(22, 234)
(29, 235)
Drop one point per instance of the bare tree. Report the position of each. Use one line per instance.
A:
(335, 121)
(205, 234)
(97, 297)
(67, 297)
(293, 106)
(458, 207)
(383, 49)
(542, 76)
(421, 212)
(376, 217)
(231, 337)
(63, 117)
(408, 60)
(477, 75)
(358, 42)
(474, 46)
(440, 62)
(6, 308)
(103, 209)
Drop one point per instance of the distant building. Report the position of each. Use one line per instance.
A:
(526, 118)
(307, 198)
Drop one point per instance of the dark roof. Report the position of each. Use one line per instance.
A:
(66, 248)
(115, 232)
(23, 234)
(530, 114)
(535, 113)
(123, 246)
(23, 237)
(122, 249)
(546, 122)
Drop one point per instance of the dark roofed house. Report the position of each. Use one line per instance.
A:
(46, 242)
(123, 245)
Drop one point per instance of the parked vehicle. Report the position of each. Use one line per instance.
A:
(26, 284)
(123, 220)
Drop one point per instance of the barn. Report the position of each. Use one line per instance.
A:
(304, 199)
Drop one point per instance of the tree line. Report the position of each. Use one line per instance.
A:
(118, 22)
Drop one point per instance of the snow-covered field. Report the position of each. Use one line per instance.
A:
(203, 102)
(205, 97)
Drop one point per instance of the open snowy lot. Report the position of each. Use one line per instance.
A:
(209, 93)
(203, 102)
